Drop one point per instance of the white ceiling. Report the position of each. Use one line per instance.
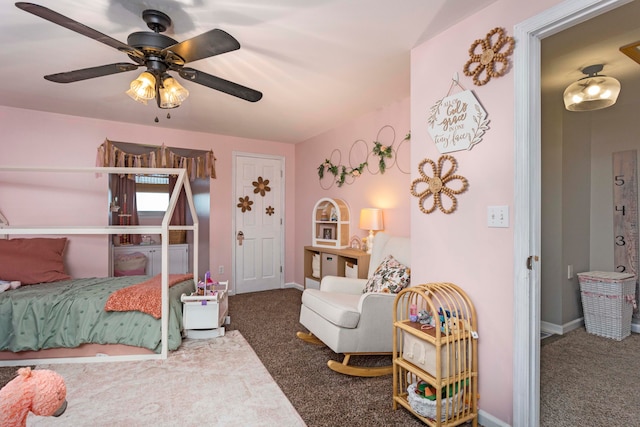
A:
(319, 63)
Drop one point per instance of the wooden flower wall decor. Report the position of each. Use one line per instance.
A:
(489, 57)
(435, 187)
(245, 204)
(261, 186)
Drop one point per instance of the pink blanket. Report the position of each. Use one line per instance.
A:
(145, 296)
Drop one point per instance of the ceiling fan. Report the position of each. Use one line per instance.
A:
(156, 52)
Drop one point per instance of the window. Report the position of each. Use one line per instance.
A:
(152, 193)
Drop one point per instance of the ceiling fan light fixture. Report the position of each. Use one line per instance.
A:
(172, 94)
(592, 92)
(143, 88)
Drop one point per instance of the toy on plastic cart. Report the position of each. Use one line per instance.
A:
(206, 311)
(206, 287)
(40, 391)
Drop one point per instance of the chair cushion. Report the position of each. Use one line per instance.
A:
(339, 309)
(391, 276)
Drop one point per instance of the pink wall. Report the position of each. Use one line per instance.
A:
(32, 138)
(354, 140)
(459, 247)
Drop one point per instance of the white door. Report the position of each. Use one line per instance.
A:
(258, 235)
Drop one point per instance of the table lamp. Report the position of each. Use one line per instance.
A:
(371, 219)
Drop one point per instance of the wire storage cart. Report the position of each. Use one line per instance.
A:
(435, 354)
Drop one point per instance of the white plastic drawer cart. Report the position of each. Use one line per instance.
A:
(204, 316)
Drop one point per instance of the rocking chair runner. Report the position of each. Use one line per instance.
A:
(342, 317)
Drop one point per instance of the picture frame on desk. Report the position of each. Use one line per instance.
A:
(326, 232)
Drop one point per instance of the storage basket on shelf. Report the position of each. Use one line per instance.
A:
(608, 299)
(177, 237)
(427, 408)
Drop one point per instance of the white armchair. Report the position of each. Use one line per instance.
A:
(342, 317)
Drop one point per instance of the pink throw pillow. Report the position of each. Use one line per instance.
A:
(34, 260)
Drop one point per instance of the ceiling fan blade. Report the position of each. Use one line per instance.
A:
(72, 25)
(90, 73)
(211, 43)
(220, 84)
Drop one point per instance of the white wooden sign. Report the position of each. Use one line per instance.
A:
(457, 122)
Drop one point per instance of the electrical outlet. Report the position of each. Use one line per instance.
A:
(570, 271)
(221, 269)
(498, 216)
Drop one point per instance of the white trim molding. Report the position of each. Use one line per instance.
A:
(527, 128)
(552, 328)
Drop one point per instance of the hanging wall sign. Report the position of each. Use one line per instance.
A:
(457, 122)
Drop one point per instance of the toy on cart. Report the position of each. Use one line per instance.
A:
(205, 311)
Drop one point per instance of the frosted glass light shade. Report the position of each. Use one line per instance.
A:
(172, 93)
(591, 93)
(143, 88)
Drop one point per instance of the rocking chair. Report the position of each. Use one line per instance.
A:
(342, 317)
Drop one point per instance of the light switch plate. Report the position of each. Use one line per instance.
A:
(498, 216)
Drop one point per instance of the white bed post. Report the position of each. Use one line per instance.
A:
(196, 234)
(164, 271)
(181, 182)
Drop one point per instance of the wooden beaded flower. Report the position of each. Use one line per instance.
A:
(490, 55)
(245, 204)
(436, 186)
(261, 186)
(270, 210)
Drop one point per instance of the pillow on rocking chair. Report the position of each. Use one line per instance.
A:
(391, 276)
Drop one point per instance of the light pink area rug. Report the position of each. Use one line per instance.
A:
(213, 382)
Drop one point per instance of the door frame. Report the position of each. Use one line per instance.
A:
(527, 194)
(234, 156)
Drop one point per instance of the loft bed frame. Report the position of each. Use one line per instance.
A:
(182, 181)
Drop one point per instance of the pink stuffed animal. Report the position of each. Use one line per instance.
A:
(42, 392)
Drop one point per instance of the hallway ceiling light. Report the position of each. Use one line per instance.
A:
(592, 92)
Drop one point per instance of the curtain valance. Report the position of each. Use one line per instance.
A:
(198, 163)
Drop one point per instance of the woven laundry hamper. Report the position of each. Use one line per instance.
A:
(608, 299)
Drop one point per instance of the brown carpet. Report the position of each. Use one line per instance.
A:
(269, 322)
(587, 380)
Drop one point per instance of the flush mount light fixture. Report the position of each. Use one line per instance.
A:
(592, 92)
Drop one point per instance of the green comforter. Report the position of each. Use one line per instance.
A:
(71, 312)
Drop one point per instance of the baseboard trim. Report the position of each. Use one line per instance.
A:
(294, 285)
(552, 328)
(487, 420)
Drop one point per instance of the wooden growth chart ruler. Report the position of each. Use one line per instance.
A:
(625, 213)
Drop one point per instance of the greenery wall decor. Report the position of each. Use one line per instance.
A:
(386, 153)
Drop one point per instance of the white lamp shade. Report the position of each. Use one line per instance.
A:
(591, 93)
(371, 219)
